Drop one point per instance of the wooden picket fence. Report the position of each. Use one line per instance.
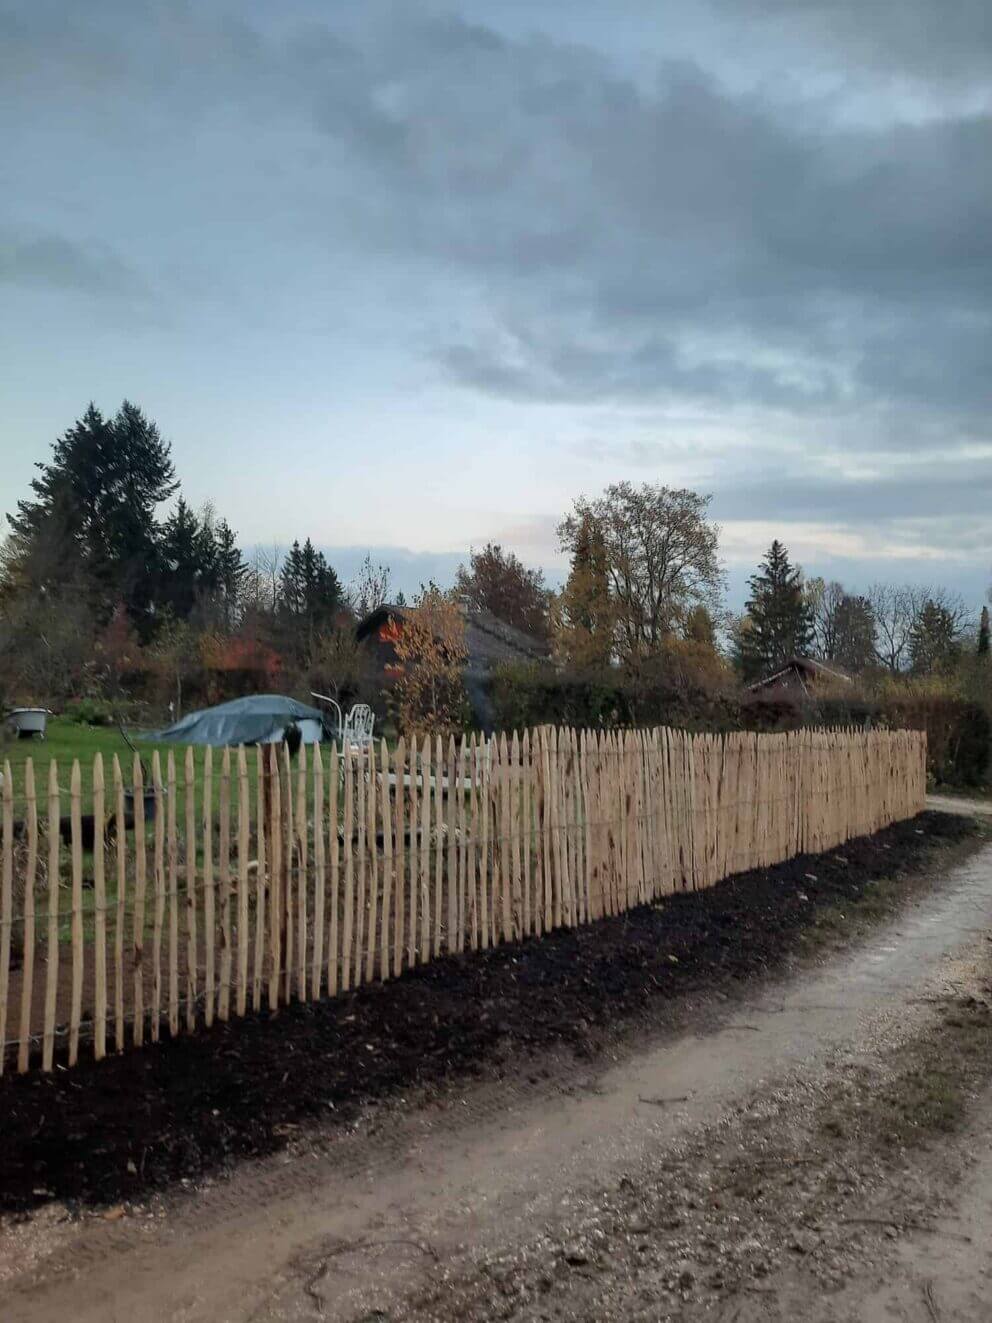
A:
(257, 879)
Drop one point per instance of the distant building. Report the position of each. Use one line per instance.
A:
(488, 642)
(800, 678)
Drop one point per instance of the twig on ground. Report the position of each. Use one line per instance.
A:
(930, 1302)
(663, 1102)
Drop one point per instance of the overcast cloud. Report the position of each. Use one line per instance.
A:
(445, 267)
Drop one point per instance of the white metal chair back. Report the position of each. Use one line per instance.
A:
(358, 726)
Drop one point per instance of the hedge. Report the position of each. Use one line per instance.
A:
(959, 733)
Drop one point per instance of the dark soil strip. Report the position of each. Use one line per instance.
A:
(118, 1130)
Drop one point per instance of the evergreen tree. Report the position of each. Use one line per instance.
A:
(188, 557)
(585, 607)
(90, 524)
(230, 572)
(778, 614)
(291, 583)
(310, 595)
(983, 633)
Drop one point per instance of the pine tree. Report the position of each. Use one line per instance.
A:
(291, 583)
(188, 555)
(310, 596)
(231, 572)
(778, 615)
(983, 633)
(91, 522)
(585, 607)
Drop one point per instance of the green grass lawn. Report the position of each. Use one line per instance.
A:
(66, 741)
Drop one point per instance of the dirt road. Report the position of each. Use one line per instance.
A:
(782, 1157)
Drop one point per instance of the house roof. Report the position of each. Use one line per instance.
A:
(488, 639)
(807, 668)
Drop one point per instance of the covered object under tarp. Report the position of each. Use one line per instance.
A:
(255, 719)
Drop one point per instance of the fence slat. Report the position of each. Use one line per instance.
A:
(473, 844)
(244, 845)
(402, 853)
(371, 828)
(333, 827)
(424, 867)
(159, 883)
(486, 746)
(30, 875)
(192, 957)
(288, 828)
(274, 805)
(387, 861)
(209, 892)
(348, 927)
(140, 886)
(52, 974)
(6, 903)
(526, 774)
(504, 820)
(100, 916)
(451, 841)
(438, 843)
(361, 852)
(261, 880)
(224, 877)
(76, 834)
(319, 873)
(463, 855)
(303, 852)
(120, 853)
(172, 866)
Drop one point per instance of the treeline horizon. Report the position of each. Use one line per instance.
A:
(105, 559)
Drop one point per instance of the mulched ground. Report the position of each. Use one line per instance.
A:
(118, 1130)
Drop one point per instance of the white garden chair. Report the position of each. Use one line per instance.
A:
(356, 733)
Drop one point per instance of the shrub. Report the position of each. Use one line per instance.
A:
(959, 733)
(532, 694)
(958, 736)
(89, 712)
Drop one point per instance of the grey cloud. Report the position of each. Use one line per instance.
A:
(937, 492)
(929, 39)
(613, 232)
(58, 263)
(601, 238)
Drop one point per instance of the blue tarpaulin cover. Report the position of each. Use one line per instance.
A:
(249, 720)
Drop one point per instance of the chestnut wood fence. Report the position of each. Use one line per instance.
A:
(252, 879)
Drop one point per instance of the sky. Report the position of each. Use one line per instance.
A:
(411, 277)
